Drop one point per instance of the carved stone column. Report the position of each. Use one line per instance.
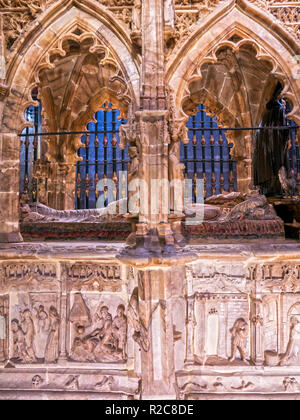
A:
(256, 332)
(158, 290)
(9, 160)
(64, 302)
(190, 329)
(149, 133)
(4, 328)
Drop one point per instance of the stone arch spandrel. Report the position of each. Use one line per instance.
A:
(31, 52)
(277, 48)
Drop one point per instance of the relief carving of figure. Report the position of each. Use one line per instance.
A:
(169, 12)
(107, 343)
(18, 341)
(51, 352)
(239, 332)
(293, 348)
(28, 329)
(137, 16)
(119, 330)
(175, 173)
(42, 318)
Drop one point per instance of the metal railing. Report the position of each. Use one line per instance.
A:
(207, 156)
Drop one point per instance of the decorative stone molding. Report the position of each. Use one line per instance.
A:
(285, 12)
(93, 277)
(34, 276)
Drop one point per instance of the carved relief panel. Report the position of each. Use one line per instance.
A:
(33, 320)
(218, 314)
(35, 324)
(96, 321)
(97, 328)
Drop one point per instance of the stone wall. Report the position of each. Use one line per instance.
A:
(82, 326)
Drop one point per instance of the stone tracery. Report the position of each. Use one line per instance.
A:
(113, 322)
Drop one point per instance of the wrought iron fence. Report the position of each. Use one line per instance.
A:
(102, 159)
(207, 156)
(30, 150)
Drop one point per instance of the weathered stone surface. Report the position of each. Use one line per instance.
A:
(98, 320)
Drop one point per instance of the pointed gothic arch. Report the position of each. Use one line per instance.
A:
(209, 70)
(49, 39)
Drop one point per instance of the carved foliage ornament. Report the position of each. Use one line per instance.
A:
(19, 13)
(286, 12)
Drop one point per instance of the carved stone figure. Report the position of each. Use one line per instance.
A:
(271, 148)
(42, 317)
(51, 352)
(28, 329)
(255, 208)
(37, 382)
(137, 16)
(18, 341)
(292, 354)
(140, 331)
(245, 386)
(169, 13)
(119, 330)
(288, 181)
(106, 384)
(239, 332)
(80, 314)
(106, 343)
(175, 174)
(290, 384)
(72, 383)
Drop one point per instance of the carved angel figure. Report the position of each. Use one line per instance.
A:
(239, 332)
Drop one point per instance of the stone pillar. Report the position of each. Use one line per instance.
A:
(9, 187)
(64, 301)
(257, 355)
(190, 330)
(4, 328)
(153, 139)
(157, 293)
(9, 159)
